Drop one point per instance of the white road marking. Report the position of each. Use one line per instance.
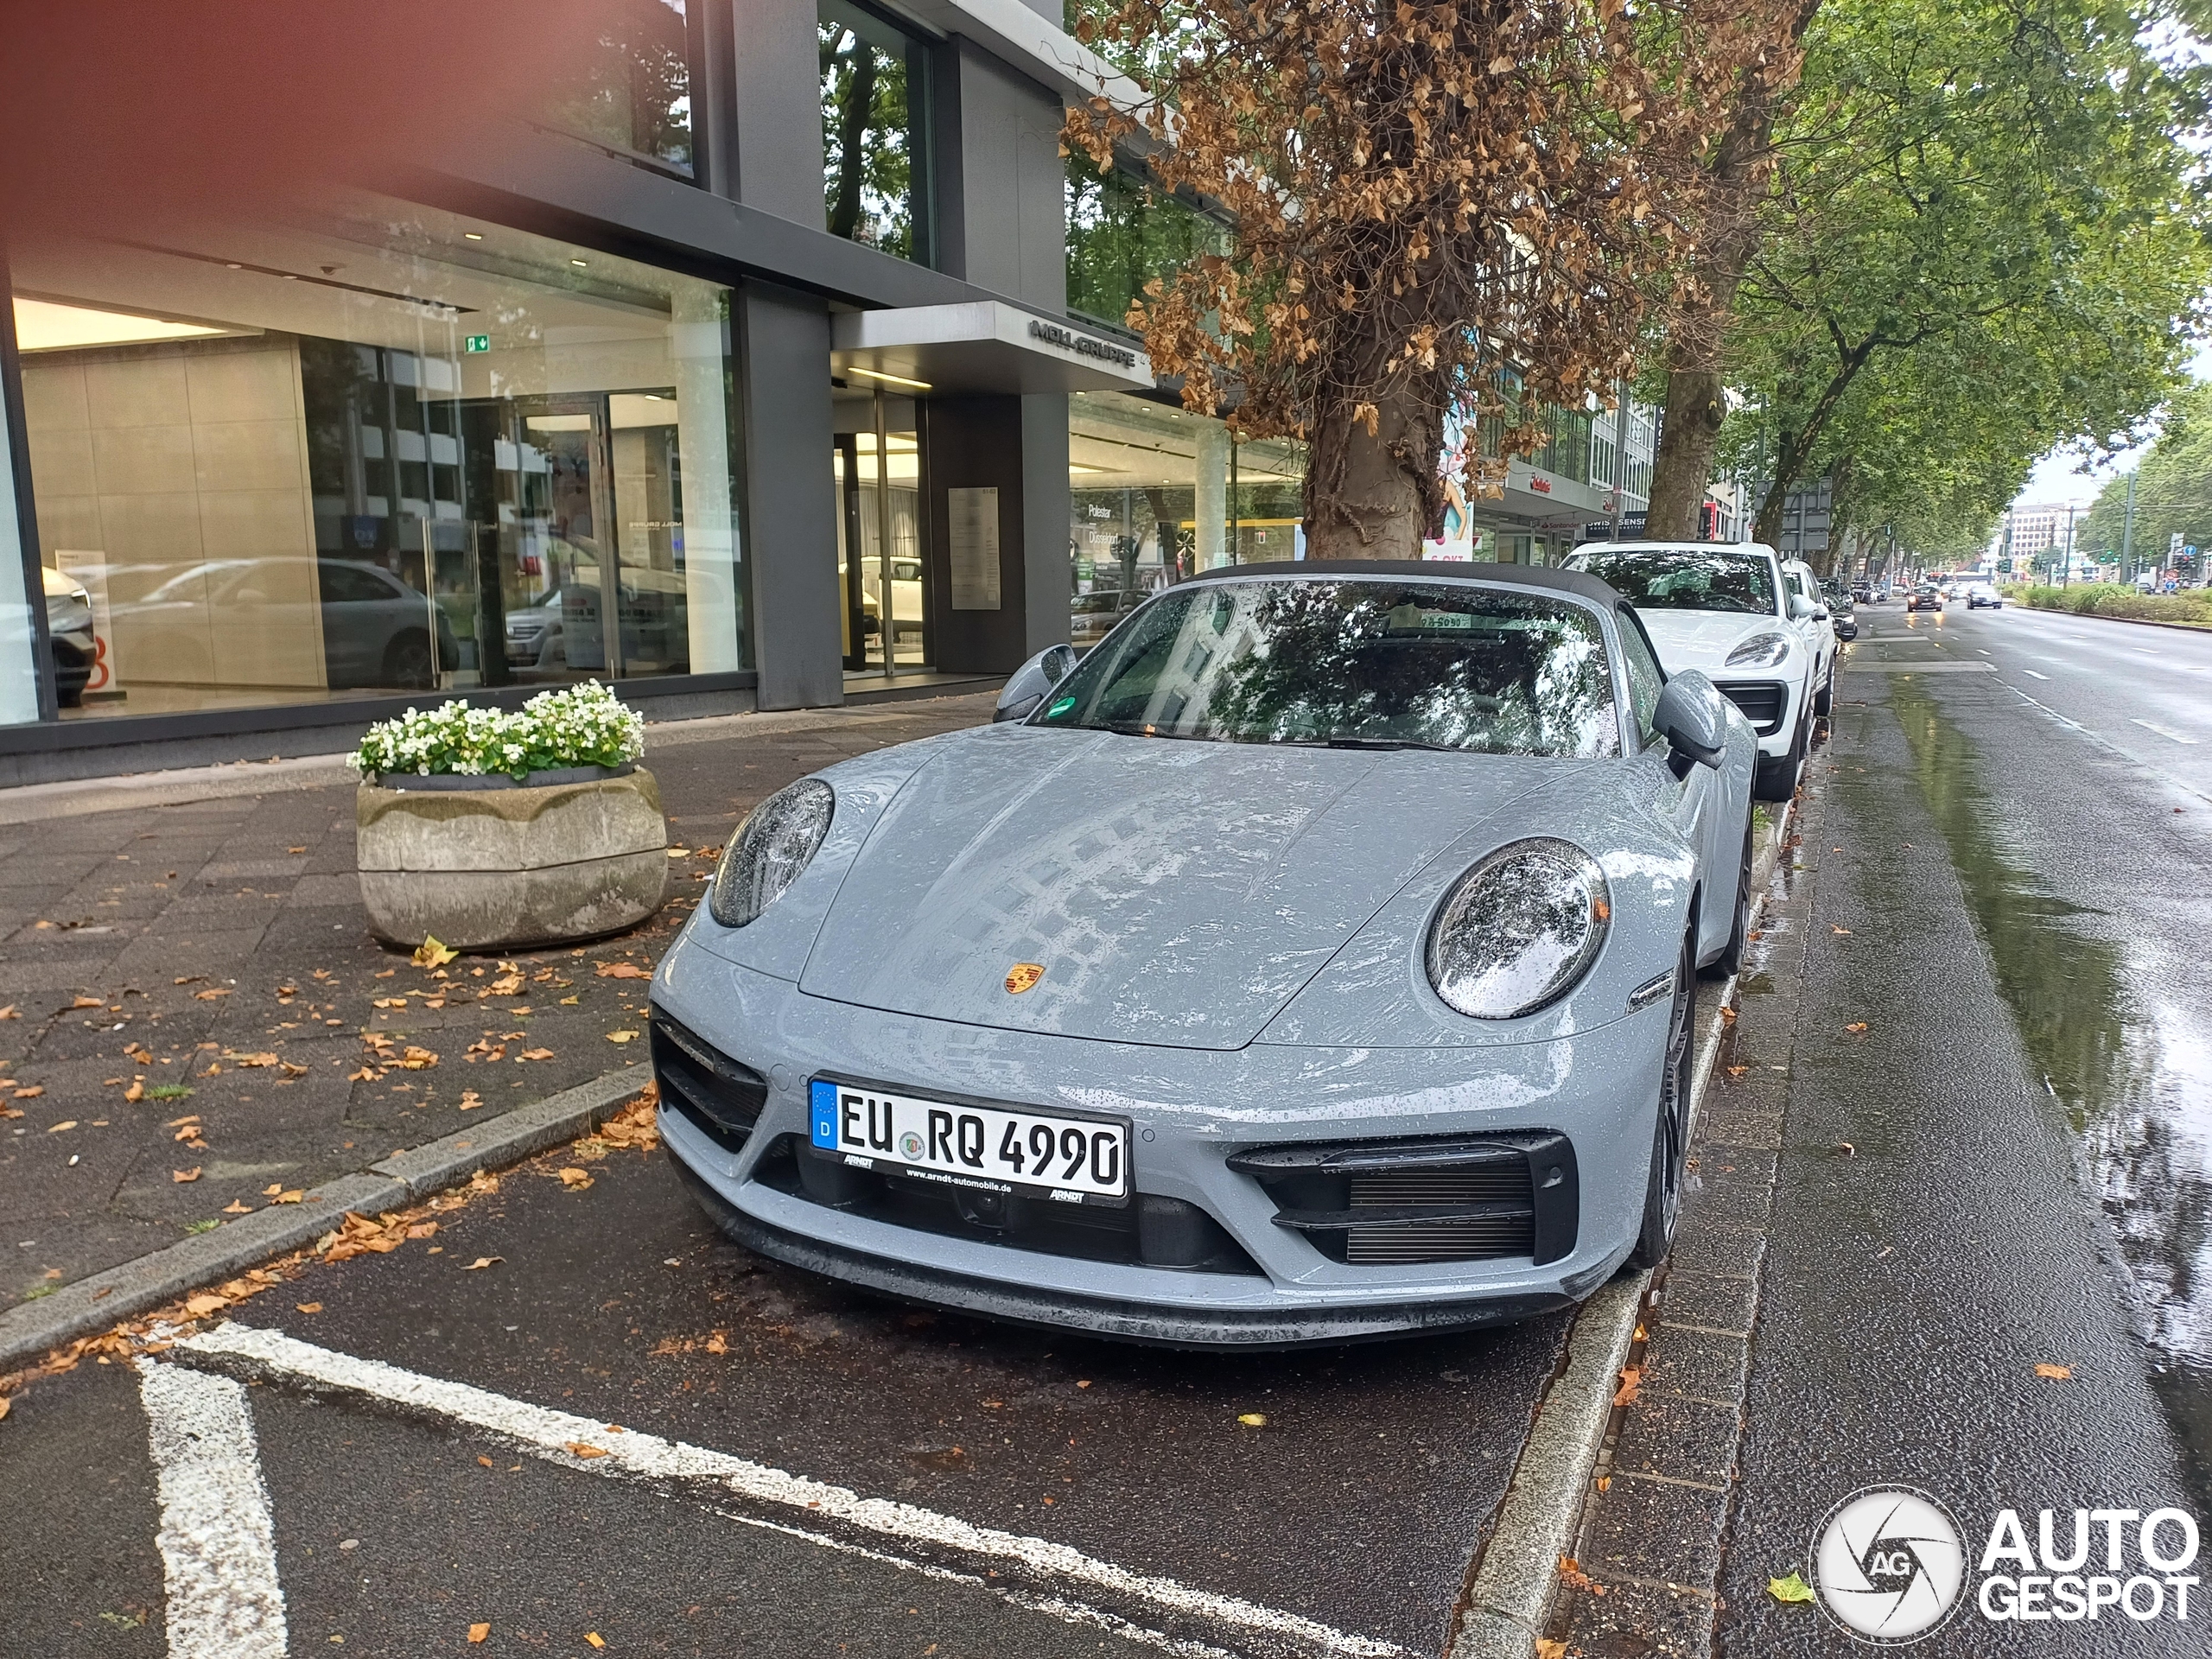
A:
(548, 1433)
(1075, 1612)
(2166, 732)
(219, 1548)
(2032, 675)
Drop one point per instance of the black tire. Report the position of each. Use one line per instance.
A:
(1776, 777)
(1730, 959)
(407, 662)
(1670, 1138)
(1824, 699)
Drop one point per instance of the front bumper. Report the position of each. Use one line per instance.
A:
(1189, 1111)
(1770, 703)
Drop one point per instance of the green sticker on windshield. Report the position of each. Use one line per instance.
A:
(1060, 708)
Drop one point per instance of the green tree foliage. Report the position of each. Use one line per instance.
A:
(2173, 487)
(1983, 241)
(868, 145)
(1123, 230)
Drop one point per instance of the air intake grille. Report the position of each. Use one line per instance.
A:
(1471, 1240)
(1762, 704)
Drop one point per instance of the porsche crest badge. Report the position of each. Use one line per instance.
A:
(1023, 976)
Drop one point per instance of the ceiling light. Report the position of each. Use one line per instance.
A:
(48, 326)
(895, 379)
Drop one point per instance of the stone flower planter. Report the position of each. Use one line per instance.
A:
(486, 862)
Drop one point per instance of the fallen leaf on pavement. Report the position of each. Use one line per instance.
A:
(620, 1036)
(1737, 1071)
(593, 1636)
(486, 1462)
(210, 994)
(295, 1196)
(577, 1179)
(308, 1307)
(538, 1053)
(1727, 1016)
(235, 1207)
(9, 1012)
(1845, 931)
(483, 1261)
(431, 954)
(272, 1189)
(1846, 1148)
(1254, 1419)
(585, 1449)
(1856, 1026)
(53, 1128)
(1547, 1649)
(31, 1093)
(87, 1003)
(2054, 1373)
(470, 1100)
(204, 1304)
(181, 1176)
(1792, 1588)
(478, 1632)
(1631, 1379)
(136, 1091)
(6, 1405)
(622, 971)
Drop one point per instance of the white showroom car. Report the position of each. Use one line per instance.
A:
(1724, 609)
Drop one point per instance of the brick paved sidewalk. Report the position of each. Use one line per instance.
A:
(211, 958)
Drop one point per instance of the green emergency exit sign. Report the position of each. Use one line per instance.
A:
(477, 343)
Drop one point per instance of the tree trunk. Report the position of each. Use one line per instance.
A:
(1690, 430)
(1375, 497)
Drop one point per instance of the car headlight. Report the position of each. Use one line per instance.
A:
(1519, 930)
(778, 841)
(1760, 650)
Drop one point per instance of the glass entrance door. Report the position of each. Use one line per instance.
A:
(882, 542)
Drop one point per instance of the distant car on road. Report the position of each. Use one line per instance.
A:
(1843, 609)
(1926, 597)
(1981, 596)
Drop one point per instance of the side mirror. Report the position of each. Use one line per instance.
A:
(1800, 609)
(1027, 686)
(1693, 718)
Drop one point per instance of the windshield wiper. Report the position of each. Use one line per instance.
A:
(1390, 743)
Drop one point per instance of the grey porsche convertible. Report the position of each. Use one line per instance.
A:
(1314, 961)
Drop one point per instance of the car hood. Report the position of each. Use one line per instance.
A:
(1702, 639)
(1174, 892)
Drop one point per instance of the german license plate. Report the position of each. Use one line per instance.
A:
(1068, 1159)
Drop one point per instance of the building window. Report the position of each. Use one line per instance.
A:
(1157, 494)
(632, 96)
(1123, 232)
(874, 131)
(382, 448)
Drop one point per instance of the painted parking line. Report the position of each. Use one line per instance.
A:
(218, 1546)
(2032, 675)
(2166, 732)
(550, 1435)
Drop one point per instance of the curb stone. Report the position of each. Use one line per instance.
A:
(1516, 1576)
(30, 1329)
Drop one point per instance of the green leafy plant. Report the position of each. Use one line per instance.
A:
(168, 1092)
(205, 1225)
(583, 725)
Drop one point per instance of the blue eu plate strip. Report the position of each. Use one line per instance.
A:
(822, 1099)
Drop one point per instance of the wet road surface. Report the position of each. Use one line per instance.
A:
(2009, 1166)
(1356, 1505)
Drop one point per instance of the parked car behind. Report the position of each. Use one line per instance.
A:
(1984, 596)
(1843, 609)
(1723, 609)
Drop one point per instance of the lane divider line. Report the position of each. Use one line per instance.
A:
(549, 1434)
(2166, 732)
(218, 1545)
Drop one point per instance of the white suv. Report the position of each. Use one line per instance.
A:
(1809, 612)
(1725, 607)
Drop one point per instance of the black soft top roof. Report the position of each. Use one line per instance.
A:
(1541, 578)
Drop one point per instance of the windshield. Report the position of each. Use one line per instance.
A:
(1666, 579)
(1355, 665)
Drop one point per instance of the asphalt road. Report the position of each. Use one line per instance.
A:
(2007, 1167)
